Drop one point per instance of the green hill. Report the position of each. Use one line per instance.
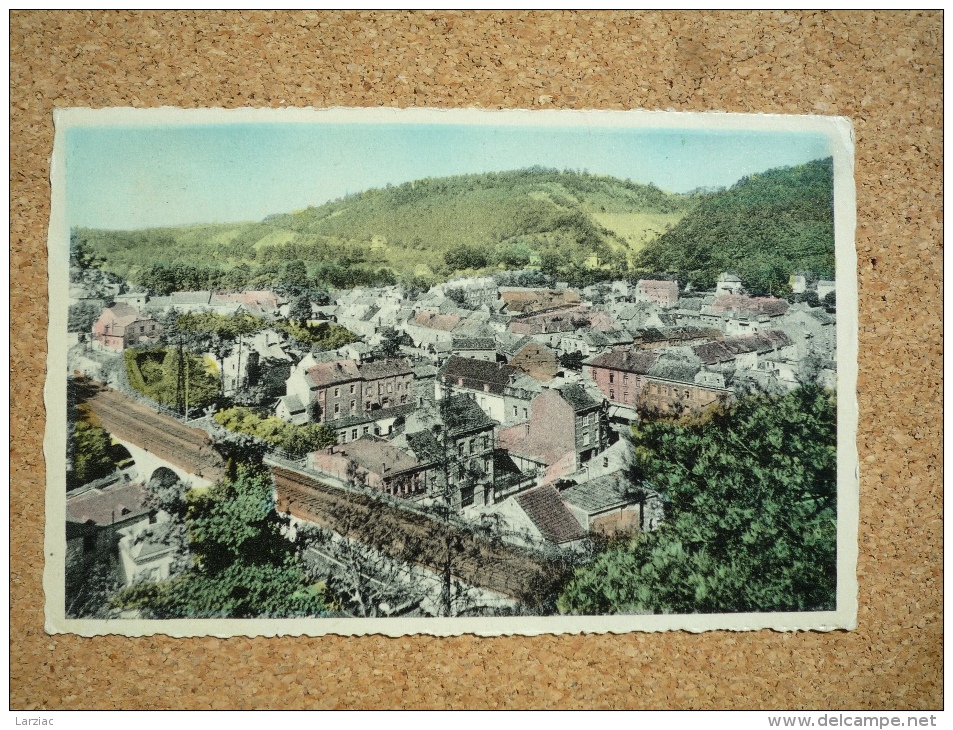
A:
(569, 224)
(763, 228)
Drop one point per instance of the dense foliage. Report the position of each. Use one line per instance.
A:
(92, 457)
(154, 372)
(294, 439)
(82, 316)
(242, 567)
(750, 524)
(569, 223)
(322, 335)
(764, 228)
(222, 325)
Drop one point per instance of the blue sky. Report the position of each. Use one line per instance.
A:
(138, 176)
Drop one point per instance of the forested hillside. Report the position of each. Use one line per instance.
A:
(569, 224)
(763, 228)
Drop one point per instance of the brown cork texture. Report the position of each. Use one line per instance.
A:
(882, 69)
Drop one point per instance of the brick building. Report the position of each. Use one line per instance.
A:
(661, 396)
(621, 374)
(565, 430)
(340, 388)
(121, 326)
(659, 292)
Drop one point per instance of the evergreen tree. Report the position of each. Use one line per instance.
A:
(750, 519)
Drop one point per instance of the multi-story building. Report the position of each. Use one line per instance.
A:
(376, 463)
(565, 430)
(659, 292)
(482, 381)
(460, 439)
(340, 388)
(620, 374)
(121, 326)
(661, 396)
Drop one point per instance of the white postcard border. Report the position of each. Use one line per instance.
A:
(838, 130)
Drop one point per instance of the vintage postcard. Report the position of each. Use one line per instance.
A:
(450, 371)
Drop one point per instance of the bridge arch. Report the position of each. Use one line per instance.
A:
(149, 466)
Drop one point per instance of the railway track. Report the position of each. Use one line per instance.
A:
(190, 449)
(413, 537)
(402, 534)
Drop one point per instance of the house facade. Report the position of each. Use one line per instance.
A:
(657, 291)
(340, 388)
(621, 374)
(565, 430)
(377, 463)
(121, 326)
(484, 382)
(661, 396)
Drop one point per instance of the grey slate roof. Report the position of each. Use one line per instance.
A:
(473, 343)
(425, 447)
(577, 397)
(551, 517)
(371, 416)
(462, 414)
(477, 373)
(727, 349)
(602, 493)
(384, 369)
(629, 361)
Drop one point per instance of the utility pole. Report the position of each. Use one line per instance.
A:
(447, 582)
(179, 382)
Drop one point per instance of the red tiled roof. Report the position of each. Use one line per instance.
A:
(770, 306)
(437, 321)
(336, 371)
(546, 509)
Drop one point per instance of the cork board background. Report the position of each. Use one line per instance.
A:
(882, 69)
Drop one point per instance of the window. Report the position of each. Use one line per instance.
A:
(625, 396)
(611, 377)
(142, 329)
(365, 430)
(337, 408)
(611, 394)
(472, 445)
(605, 461)
(525, 413)
(460, 445)
(486, 442)
(390, 387)
(380, 388)
(337, 392)
(625, 379)
(514, 411)
(353, 433)
(403, 399)
(353, 406)
(367, 405)
(352, 388)
(585, 439)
